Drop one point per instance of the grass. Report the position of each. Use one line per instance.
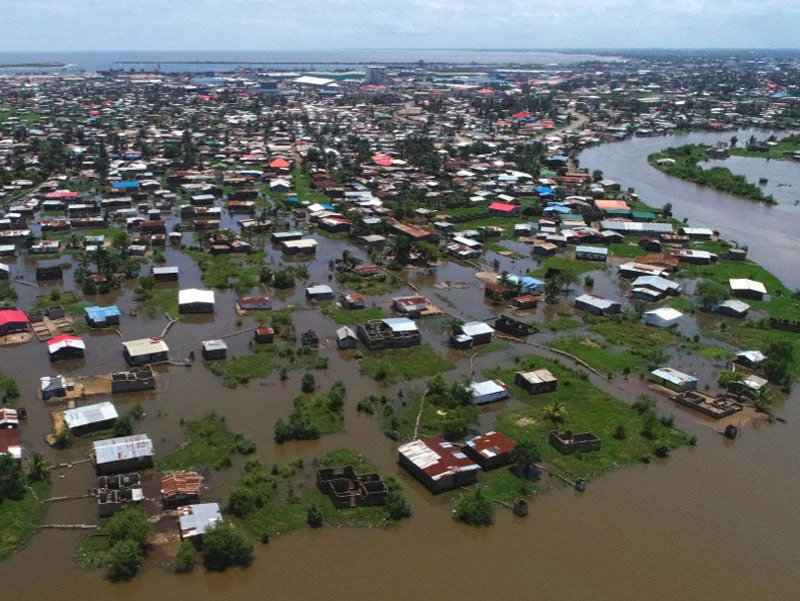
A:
(210, 443)
(162, 300)
(627, 331)
(404, 364)
(322, 416)
(93, 551)
(504, 486)
(562, 323)
(596, 353)
(588, 409)
(491, 347)
(302, 188)
(789, 144)
(19, 519)
(371, 286)
(223, 271)
(573, 266)
(626, 249)
(352, 317)
(751, 336)
(264, 360)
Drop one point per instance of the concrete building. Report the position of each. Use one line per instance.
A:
(396, 332)
(597, 305)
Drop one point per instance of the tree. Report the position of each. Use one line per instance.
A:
(123, 426)
(710, 294)
(186, 558)
(308, 383)
(527, 452)
(336, 396)
(556, 411)
(64, 437)
(474, 508)
(38, 469)
(780, 356)
(314, 517)
(124, 559)
(101, 162)
(130, 524)
(225, 546)
(12, 480)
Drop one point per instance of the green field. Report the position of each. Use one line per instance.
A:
(404, 364)
(18, 519)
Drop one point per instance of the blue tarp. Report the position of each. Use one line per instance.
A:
(125, 185)
(100, 314)
(544, 191)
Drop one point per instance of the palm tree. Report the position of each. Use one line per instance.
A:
(452, 325)
(38, 469)
(526, 454)
(555, 411)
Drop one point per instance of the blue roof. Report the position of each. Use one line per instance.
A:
(327, 207)
(557, 209)
(120, 185)
(559, 157)
(102, 313)
(544, 190)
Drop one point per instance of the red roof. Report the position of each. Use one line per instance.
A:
(13, 316)
(9, 437)
(382, 160)
(60, 194)
(279, 163)
(491, 444)
(503, 206)
(65, 340)
(437, 458)
(522, 115)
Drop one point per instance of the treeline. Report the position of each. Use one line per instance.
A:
(685, 166)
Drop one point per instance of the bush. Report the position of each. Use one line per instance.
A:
(397, 506)
(244, 444)
(308, 383)
(124, 560)
(365, 405)
(314, 517)
(225, 546)
(298, 426)
(123, 426)
(474, 508)
(64, 437)
(644, 404)
(336, 396)
(129, 524)
(186, 558)
(620, 433)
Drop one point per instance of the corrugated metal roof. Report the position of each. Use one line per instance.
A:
(195, 519)
(538, 376)
(123, 448)
(437, 457)
(194, 295)
(400, 324)
(476, 328)
(491, 444)
(90, 414)
(673, 376)
(187, 483)
(145, 346)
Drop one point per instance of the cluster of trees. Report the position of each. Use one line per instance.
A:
(298, 426)
(128, 532)
(455, 401)
(475, 508)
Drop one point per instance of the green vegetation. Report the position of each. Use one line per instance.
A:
(210, 444)
(626, 249)
(225, 546)
(302, 188)
(372, 285)
(224, 271)
(8, 389)
(594, 351)
(185, 559)
(581, 407)
(719, 178)
(409, 364)
(563, 323)
(352, 317)
(20, 511)
(474, 507)
(264, 360)
(119, 546)
(575, 267)
(311, 418)
(781, 152)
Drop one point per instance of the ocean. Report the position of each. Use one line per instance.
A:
(169, 60)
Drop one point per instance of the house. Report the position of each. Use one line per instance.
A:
(733, 308)
(192, 300)
(280, 237)
(673, 379)
(439, 465)
(346, 488)
(280, 186)
(526, 301)
(180, 489)
(9, 418)
(658, 284)
(319, 293)
(145, 350)
(487, 392)
(568, 442)
(410, 306)
(479, 331)
(536, 381)
(214, 349)
(11, 442)
(346, 338)
(126, 453)
(254, 303)
(66, 347)
(744, 288)
(353, 301)
(165, 273)
(490, 450)
(591, 253)
(13, 321)
(83, 420)
(53, 387)
(597, 305)
(750, 359)
(306, 246)
(663, 317)
(503, 209)
(526, 284)
(395, 332)
(264, 335)
(102, 317)
(513, 327)
(194, 520)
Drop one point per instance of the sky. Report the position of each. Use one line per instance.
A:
(85, 25)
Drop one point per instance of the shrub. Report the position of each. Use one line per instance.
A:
(244, 444)
(314, 517)
(186, 558)
(225, 546)
(124, 560)
(474, 508)
(308, 383)
(620, 433)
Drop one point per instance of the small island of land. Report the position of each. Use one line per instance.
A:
(683, 162)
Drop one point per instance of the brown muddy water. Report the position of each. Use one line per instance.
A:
(716, 521)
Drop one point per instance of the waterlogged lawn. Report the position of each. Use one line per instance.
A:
(210, 442)
(585, 409)
(594, 351)
(352, 317)
(404, 364)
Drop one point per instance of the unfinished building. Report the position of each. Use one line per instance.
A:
(348, 489)
(399, 332)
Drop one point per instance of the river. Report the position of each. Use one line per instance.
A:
(769, 231)
(713, 522)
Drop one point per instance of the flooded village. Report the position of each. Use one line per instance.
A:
(254, 319)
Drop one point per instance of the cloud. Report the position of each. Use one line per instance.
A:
(314, 24)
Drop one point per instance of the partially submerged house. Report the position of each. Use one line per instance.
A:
(733, 308)
(13, 321)
(346, 338)
(133, 380)
(597, 305)
(165, 273)
(193, 300)
(321, 292)
(488, 391)
(113, 493)
(479, 332)
(663, 317)
(180, 489)
(144, 351)
(394, 332)
(439, 465)
(91, 418)
(194, 520)
(102, 317)
(568, 442)
(744, 288)
(673, 379)
(123, 454)
(214, 349)
(490, 450)
(66, 346)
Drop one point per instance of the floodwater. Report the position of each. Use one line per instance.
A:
(769, 231)
(716, 521)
